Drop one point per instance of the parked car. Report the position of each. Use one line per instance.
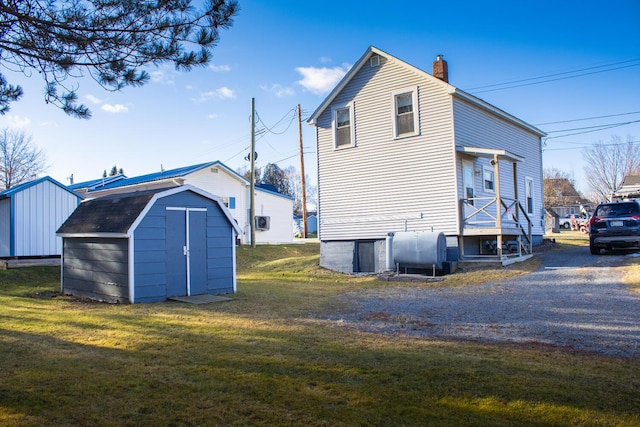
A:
(615, 225)
(566, 221)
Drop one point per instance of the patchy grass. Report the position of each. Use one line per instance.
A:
(266, 358)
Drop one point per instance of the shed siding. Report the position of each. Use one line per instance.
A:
(96, 268)
(5, 227)
(479, 129)
(219, 252)
(150, 248)
(385, 184)
(38, 211)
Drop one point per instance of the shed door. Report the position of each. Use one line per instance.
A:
(186, 251)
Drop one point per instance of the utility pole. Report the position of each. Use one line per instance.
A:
(252, 180)
(304, 190)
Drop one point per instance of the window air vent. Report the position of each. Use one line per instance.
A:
(214, 170)
(374, 61)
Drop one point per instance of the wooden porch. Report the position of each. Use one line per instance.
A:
(494, 229)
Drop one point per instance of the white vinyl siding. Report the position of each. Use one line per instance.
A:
(387, 184)
(477, 128)
(278, 208)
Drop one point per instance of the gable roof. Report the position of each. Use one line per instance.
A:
(452, 90)
(25, 185)
(117, 215)
(157, 176)
(180, 172)
(174, 174)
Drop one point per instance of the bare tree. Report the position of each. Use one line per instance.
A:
(20, 159)
(109, 40)
(608, 164)
(295, 183)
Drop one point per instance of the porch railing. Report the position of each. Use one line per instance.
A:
(493, 216)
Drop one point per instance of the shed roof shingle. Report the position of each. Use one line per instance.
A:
(110, 214)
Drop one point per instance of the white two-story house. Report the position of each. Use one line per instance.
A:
(400, 149)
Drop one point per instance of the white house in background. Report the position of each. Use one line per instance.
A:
(403, 150)
(273, 210)
(30, 214)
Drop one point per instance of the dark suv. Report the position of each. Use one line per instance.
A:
(615, 225)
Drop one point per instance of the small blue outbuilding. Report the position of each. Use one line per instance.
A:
(30, 214)
(148, 246)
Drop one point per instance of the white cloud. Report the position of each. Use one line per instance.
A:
(164, 74)
(279, 90)
(220, 93)
(17, 121)
(219, 68)
(212, 116)
(93, 99)
(117, 108)
(321, 80)
(325, 59)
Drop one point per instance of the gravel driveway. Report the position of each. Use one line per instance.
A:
(574, 300)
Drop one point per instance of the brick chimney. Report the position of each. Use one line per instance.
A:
(440, 68)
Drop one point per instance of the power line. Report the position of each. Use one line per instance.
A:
(587, 118)
(597, 128)
(270, 129)
(512, 85)
(583, 147)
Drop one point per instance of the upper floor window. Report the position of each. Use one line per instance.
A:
(343, 127)
(405, 112)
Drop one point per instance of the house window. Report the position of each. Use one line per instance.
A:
(405, 114)
(232, 203)
(467, 182)
(488, 180)
(529, 194)
(343, 127)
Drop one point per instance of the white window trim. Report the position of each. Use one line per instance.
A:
(334, 125)
(493, 172)
(528, 179)
(468, 165)
(416, 116)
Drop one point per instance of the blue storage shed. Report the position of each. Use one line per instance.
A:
(30, 214)
(148, 246)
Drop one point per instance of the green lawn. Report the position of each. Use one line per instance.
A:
(268, 358)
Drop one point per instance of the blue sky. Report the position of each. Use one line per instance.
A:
(284, 53)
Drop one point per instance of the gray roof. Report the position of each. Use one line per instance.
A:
(110, 214)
